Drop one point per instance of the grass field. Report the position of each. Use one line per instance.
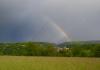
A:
(48, 63)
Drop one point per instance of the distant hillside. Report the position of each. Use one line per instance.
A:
(67, 44)
(24, 43)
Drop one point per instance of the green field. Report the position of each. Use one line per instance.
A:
(48, 63)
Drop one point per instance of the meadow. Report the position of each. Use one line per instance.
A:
(48, 63)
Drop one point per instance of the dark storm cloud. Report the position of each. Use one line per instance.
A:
(23, 20)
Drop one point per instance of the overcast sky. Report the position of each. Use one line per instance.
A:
(49, 20)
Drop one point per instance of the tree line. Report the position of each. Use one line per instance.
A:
(49, 49)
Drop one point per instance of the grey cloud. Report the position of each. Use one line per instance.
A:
(22, 20)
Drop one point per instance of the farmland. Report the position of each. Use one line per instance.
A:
(48, 63)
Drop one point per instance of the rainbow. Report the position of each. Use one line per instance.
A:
(63, 34)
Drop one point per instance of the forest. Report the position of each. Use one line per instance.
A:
(67, 49)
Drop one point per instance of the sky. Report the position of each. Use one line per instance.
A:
(49, 20)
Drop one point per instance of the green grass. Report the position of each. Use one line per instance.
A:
(48, 63)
